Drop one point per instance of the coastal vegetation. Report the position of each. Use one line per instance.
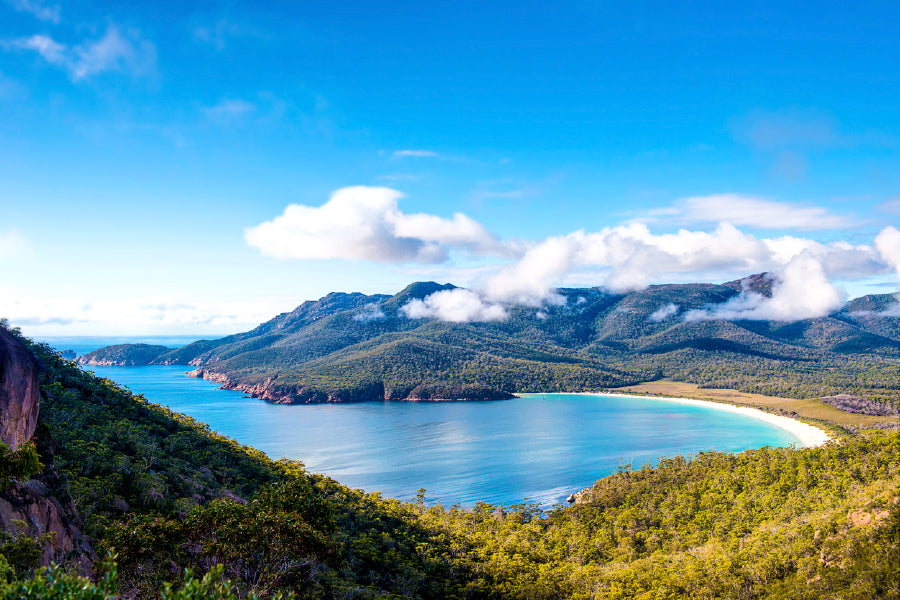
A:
(177, 511)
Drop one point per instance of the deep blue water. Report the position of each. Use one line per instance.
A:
(539, 447)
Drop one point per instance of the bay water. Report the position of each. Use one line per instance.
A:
(535, 448)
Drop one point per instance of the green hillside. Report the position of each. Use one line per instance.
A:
(350, 347)
(180, 512)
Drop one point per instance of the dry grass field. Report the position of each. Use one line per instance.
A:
(811, 408)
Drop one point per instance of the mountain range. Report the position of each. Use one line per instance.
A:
(355, 347)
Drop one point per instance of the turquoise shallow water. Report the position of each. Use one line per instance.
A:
(540, 447)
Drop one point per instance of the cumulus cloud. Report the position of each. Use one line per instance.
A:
(12, 244)
(118, 50)
(663, 312)
(456, 306)
(630, 257)
(801, 291)
(37, 9)
(365, 223)
(370, 312)
(888, 244)
(531, 281)
(756, 212)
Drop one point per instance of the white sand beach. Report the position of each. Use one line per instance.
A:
(809, 435)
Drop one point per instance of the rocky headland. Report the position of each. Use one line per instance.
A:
(271, 390)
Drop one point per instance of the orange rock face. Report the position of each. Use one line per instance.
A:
(19, 391)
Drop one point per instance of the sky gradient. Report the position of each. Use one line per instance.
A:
(199, 167)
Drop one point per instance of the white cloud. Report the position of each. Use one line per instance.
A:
(663, 312)
(755, 212)
(630, 257)
(888, 244)
(117, 51)
(51, 51)
(801, 291)
(414, 154)
(531, 281)
(365, 223)
(37, 9)
(370, 312)
(12, 244)
(456, 306)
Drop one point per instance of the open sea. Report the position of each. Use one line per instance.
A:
(537, 448)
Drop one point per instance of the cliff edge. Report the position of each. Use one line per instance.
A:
(20, 391)
(28, 507)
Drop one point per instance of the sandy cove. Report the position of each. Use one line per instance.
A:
(809, 435)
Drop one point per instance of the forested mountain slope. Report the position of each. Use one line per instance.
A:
(352, 347)
(162, 494)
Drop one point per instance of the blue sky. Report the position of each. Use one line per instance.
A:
(141, 145)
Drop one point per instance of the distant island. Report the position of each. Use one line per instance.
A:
(352, 347)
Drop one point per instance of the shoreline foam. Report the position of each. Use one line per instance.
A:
(809, 436)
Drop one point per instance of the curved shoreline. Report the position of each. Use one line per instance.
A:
(809, 436)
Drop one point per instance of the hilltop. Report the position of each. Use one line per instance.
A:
(356, 347)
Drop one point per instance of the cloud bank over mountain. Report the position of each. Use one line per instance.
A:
(366, 223)
(455, 306)
(801, 291)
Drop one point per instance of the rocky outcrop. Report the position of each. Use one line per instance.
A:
(581, 497)
(28, 508)
(19, 391)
